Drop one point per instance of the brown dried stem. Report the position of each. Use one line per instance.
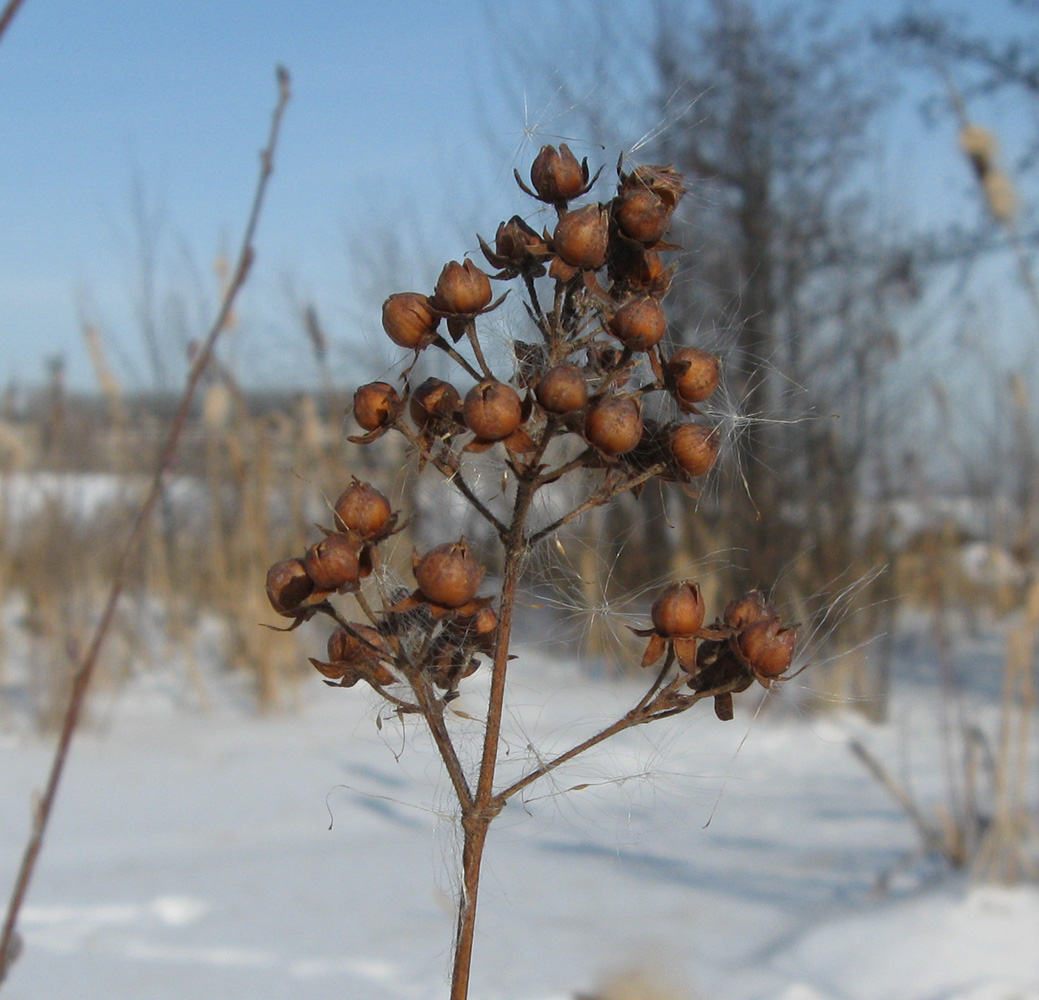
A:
(85, 670)
(5, 19)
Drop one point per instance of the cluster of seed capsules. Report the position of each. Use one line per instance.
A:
(597, 370)
(594, 341)
(438, 630)
(749, 642)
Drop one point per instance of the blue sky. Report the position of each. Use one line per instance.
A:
(390, 112)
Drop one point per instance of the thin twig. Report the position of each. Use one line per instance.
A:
(81, 679)
(5, 19)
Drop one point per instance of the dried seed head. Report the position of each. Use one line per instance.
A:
(449, 575)
(517, 243)
(614, 425)
(375, 405)
(288, 586)
(641, 215)
(665, 182)
(434, 399)
(582, 237)
(492, 410)
(694, 448)
(333, 563)
(562, 389)
(639, 324)
(462, 289)
(768, 647)
(409, 320)
(693, 374)
(358, 644)
(751, 607)
(362, 508)
(557, 175)
(679, 610)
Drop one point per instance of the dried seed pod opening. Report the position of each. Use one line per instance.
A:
(492, 410)
(562, 389)
(375, 405)
(582, 237)
(333, 563)
(288, 586)
(462, 289)
(557, 175)
(432, 400)
(614, 425)
(694, 448)
(639, 324)
(448, 575)
(409, 320)
(517, 243)
(665, 182)
(362, 508)
(693, 374)
(679, 610)
(751, 607)
(768, 647)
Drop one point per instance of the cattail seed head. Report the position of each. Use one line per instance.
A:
(492, 410)
(462, 288)
(582, 237)
(362, 508)
(694, 448)
(557, 175)
(375, 405)
(562, 389)
(449, 575)
(333, 563)
(639, 324)
(288, 586)
(409, 320)
(679, 610)
(614, 425)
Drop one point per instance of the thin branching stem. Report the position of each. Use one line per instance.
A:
(85, 670)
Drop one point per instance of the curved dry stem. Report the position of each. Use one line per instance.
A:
(85, 670)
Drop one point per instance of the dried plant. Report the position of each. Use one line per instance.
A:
(596, 401)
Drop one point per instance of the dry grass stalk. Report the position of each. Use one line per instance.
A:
(91, 656)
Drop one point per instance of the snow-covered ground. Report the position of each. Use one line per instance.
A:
(311, 855)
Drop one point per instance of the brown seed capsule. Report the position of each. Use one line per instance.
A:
(409, 320)
(639, 324)
(693, 373)
(492, 410)
(375, 405)
(462, 288)
(562, 389)
(288, 586)
(332, 563)
(448, 575)
(362, 508)
(517, 243)
(432, 400)
(614, 425)
(679, 610)
(556, 174)
(694, 448)
(665, 182)
(581, 237)
(768, 647)
(751, 607)
(641, 215)
(359, 644)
